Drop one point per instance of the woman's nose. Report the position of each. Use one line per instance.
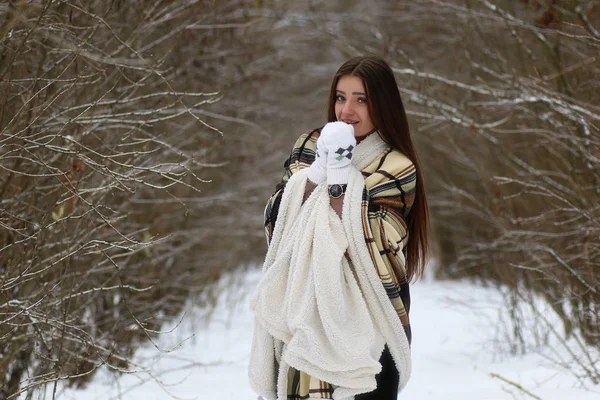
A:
(348, 108)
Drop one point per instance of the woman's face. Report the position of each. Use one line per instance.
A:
(352, 105)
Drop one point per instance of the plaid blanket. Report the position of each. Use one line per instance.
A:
(386, 200)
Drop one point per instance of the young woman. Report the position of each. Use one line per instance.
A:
(347, 230)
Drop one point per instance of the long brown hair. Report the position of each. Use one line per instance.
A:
(388, 116)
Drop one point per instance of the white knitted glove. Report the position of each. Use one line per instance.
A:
(317, 172)
(340, 144)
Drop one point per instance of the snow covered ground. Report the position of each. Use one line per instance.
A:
(455, 354)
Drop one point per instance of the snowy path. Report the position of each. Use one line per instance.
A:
(453, 355)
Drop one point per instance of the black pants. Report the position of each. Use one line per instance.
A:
(387, 380)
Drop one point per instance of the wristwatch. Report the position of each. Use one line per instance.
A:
(336, 190)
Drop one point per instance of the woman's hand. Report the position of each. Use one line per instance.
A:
(339, 142)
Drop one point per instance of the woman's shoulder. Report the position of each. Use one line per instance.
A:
(392, 163)
(308, 139)
(304, 151)
(396, 162)
(390, 175)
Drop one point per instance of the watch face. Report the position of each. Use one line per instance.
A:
(336, 191)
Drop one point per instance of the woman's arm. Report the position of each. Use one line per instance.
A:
(336, 202)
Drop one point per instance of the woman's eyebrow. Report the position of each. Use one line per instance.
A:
(357, 93)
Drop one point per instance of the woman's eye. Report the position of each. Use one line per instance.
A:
(339, 98)
(362, 100)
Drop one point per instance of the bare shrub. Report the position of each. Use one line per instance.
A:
(105, 148)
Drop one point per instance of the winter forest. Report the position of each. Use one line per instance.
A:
(140, 140)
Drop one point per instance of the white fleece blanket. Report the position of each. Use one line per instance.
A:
(313, 310)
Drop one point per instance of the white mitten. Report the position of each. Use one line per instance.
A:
(340, 144)
(317, 172)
